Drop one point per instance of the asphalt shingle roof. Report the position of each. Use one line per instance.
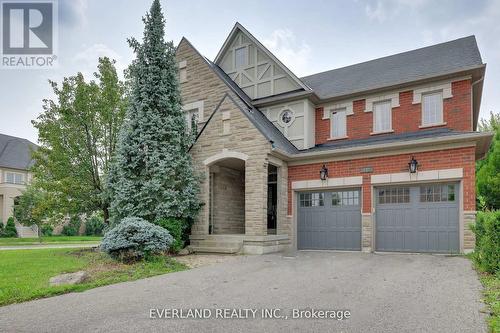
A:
(435, 60)
(384, 138)
(15, 152)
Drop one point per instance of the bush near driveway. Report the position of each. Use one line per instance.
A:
(487, 252)
(134, 238)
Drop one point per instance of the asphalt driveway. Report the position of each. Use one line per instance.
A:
(382, 292)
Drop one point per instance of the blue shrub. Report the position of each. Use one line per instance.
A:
(134, 238)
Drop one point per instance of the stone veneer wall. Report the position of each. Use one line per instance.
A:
(244, 138)
(229, 201)
(366, 232)
(469, 218)
(203, 84)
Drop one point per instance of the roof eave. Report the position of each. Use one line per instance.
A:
(296, 95)
(481, 140)
(475, 71)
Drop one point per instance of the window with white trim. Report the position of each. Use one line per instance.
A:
(191, 117)
(241, 57)
(432, 108)
(338, 123)
(14, 178)
(382, 117)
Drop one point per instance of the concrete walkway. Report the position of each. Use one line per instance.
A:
(48, 246)
(383, 293)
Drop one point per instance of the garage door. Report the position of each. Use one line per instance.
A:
(417, 218)
(329, 220)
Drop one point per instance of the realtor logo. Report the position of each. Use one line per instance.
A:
(28, 33)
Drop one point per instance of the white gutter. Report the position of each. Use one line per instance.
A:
(476, 136)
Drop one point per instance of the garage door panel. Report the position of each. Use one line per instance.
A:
(334, 223)
(424, 221)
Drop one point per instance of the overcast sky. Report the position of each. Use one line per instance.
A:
(308, 36)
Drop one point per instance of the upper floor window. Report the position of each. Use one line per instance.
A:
(382, 117)
(14, 178)
(193, 113)
(338, 123)
(432, 108)
(191, 118)
(241, 57)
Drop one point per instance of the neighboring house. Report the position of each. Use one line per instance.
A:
(323, 161)
(15, 161)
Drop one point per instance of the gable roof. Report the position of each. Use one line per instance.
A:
(432, 61)
(237, 28)
(15, 152)
(257, 118)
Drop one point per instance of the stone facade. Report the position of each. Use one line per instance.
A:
(469, 217)
(366, 232)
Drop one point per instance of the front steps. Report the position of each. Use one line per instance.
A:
(238, 243)
(228, 244)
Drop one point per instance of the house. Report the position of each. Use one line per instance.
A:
(377, 156)
(15, 161)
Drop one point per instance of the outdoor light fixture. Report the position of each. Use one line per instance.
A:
(413, 165)
(323, 173)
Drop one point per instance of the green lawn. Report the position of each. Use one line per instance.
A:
(25, 274)
(49, 239)
(491, 294)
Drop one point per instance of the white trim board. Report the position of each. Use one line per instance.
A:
(403, 177)
(330, 182)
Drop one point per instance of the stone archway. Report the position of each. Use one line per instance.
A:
(226, 211)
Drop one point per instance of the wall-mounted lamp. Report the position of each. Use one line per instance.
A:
(323, 173)
(413, 165)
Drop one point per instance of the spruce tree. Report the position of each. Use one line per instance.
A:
(152, 176)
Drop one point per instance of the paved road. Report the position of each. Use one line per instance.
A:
(383, 292)
(48, 246)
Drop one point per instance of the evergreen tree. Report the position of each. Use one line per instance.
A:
(152, 176)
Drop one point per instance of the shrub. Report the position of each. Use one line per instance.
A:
(135, 238)
(176, 228)
(72, 227)
(1, 228)
(487, 252)
(94, 226)
(10, 228)
(47, 230)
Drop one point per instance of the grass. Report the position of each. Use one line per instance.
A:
(49, 239)
(491, 294)
(25, 274)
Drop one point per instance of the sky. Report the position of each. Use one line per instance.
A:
(307, 36)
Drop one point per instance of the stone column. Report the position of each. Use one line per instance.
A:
(256, 197)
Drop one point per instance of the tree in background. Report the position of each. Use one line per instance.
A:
(78, 131)
(152, 176)
(30, 208)
(488, 169)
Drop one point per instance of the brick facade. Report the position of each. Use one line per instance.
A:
(432, 160)
(457, 114)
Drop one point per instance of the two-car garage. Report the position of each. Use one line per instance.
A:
(423, 218)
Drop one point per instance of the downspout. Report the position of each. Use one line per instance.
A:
(472, 100)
